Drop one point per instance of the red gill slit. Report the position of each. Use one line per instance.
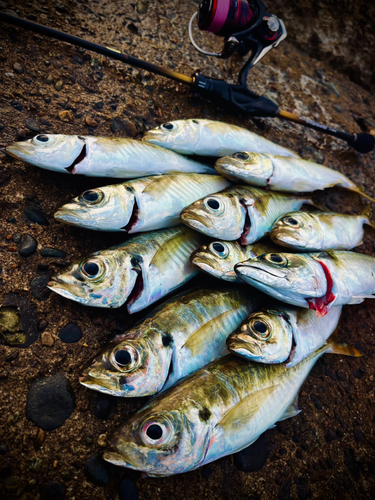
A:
(247, 225)
(137, 289)
(79, 158)
(134, 218)
(320, 304)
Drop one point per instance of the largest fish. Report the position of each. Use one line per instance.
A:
(218, 410)
(140, 271)
(179, 337)
(102, 156)
(211, 138)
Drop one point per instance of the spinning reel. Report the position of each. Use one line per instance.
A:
(246, 27)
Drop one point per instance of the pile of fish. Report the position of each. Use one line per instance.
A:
(224, 362)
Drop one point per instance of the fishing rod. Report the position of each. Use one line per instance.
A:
(246, 28)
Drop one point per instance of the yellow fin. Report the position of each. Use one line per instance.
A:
(359, 191)
(343, 349)
(245, 409)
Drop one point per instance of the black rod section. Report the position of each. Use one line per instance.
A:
(100, 49)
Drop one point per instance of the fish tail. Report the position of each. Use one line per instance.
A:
(333, 347)
(362, 193)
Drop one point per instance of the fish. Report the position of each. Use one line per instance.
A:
(219, 410)
(282, 173)
(219, 257)
(314, 231)
(282, 334)
(139, 205)
(211, 138)
(240, 213)
(139, 272)
(317, 281)
(182, 335)
(102, 156)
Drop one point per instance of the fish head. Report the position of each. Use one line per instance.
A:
(165, 438)
(103, 209)
(297, 229)
(132, 365)
(284, 275)
(182, 136)
(219, 258)
(253, 168)
(58, 152)
(265, 337)
(218, 215)
(104, 279)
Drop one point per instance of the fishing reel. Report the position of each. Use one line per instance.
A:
(245, 25)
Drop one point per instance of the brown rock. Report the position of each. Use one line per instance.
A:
(47, 339)
(59, 85)
(18, 68)
(66, 116)
(102, 440)
(91, 122)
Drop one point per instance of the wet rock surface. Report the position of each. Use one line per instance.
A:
(70, 333)
(321, 453)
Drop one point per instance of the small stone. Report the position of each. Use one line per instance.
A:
(66, 116)
(17, 105)
(4, 449)
(12, 356)
(12, 220)
(318, 405)
(254, 457)
(128, 490)
(59, 85)
(70, 333)
(96, 470)
(142, 7)
(91, 122)
(78, 463)
(352, 464)
(40, 438)
(102, 406)
(4, 374)
(102, 440)
(42, 325)
(3, 5)
(50, 401)
(28, 245)
(35, 214)
(42, 269)
(38, 287)
(45, 122)
(77, 60)
(117, 125)
(47, 339)
(52, 490)
(17, 237)
(18, 68)
(32, 125)
(53, 252)
(98, 105)
(35, 464)
(337, 108)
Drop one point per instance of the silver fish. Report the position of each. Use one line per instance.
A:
(314, 231)
(219, 410)
(211, 138)
(240, 212)
(219, 257)
(282, 334)
(179, 337)
(316, 280)
(140, 271)
(139, 205)
(280, 173)
(102, 156)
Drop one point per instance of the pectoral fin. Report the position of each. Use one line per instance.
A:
(292, 410)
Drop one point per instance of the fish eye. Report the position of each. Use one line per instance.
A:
(167, 126)
(291, 221)
(44, 140)
(93, 269)
(92, 196)
(126, 358)
(156, 431)
(241, 156)
(276, 258)
(219, 248)
(260, 329)
(214, 205)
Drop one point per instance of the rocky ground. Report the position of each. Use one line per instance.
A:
(327, 451)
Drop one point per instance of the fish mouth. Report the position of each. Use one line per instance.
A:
(66, 290)
(99, 385)
(71, 213)
(116, 458)
(235, 343)
(285, 238)
(259, 269)
(18, 150)
(192, 218)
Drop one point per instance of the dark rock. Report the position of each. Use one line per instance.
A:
(12, 356)
(28, 245)
(35, 214)
(76, 59)
(4, 449)
(96, 470)
(358, 373)
(318, 405)
(28, 316)
(17, 237)
(45, 122)
(32, 125)
(77, 464)
(98, 105)
(254, 457)
(11, 220)
(17, 67)
(206, 471)
(42, 269)
(38, 288)
(357, 434)
(102, 406)
(330, 435)
(129, 128)
(53, 252)
(351, 463)
(128, 490)
(342, 376)
(284, 493)
(142, 7)
(117, 125)
(50, 401)
(42, 325)
(52, 490)
(17, 105)
(70, 333)
(32, 17)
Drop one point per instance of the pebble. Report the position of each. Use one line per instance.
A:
(142, 7)
(4, 449)
(128, 490)
(70, 333)
(17, 105)
(91, 122)
(3, 5)
(96, 471)
(102, 440)
(126, 127)
(47, 339)
(50, 401)
(53, 252)
(254, 457)
(38, 287)
(17, 237)
(12, 356)
(102, 406)
(66, 116)
(52, 490)
(35, 214)
(42, 325)
(32, 125)
(77, 463)
(18, 68)
(28, 245)
(59, 85)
